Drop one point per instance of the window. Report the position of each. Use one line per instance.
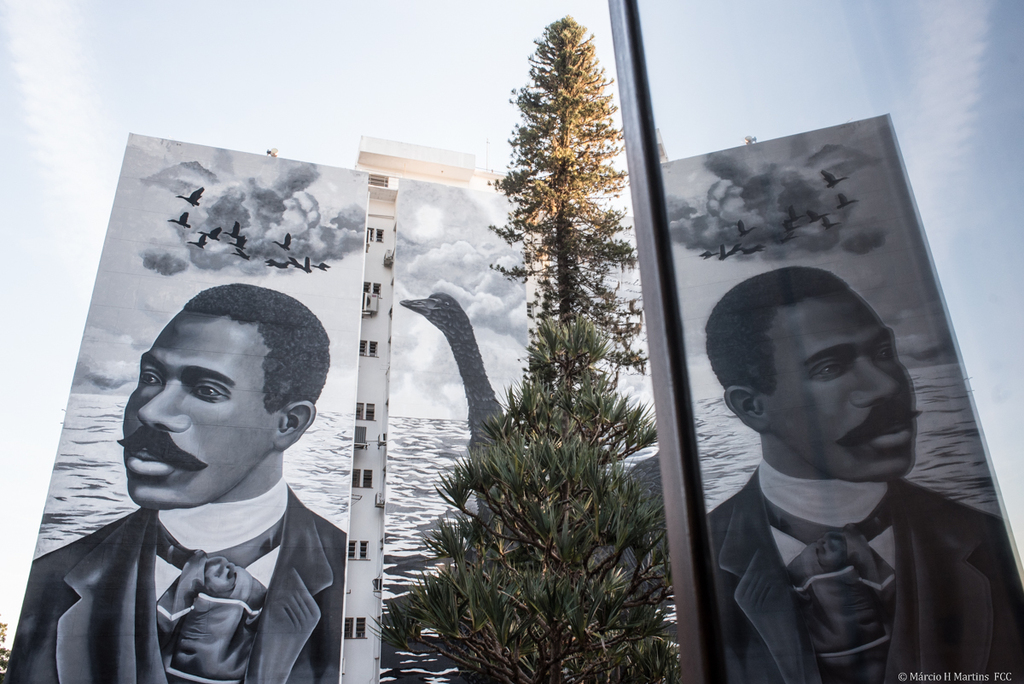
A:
(360, 435)
(377, 582)
(362, 347)
(364, 549)
(359, 411)
(376, 288)
(362, 478)
(371, 288)
(351, 549)
(371, 411)
(378, 181)
(380, 235)
(360, 628)
(366, 286)
(367, 478)
(355, 477)
(373, 348)
(348, 628)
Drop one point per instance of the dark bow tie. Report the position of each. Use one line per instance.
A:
(809, 532)
(243, 555)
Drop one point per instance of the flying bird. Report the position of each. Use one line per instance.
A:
(789, 224)
(815, 217)
(181, 220)
(240, 241)
(239, 252)
(213, 234)
(787, 237)
(236, 230)
(276, 264)
(830, 180)
(302, 267)
(754, 249)
(193, 199)
(723, 255)
(843, 202)
(200, 243)
(707, 254)
(322, 266)
(743, 230)
(287, 244)
(828, 224)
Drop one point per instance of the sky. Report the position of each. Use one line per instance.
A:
(310, 78)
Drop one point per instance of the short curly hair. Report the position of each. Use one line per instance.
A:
(738, 345)
(296, 365)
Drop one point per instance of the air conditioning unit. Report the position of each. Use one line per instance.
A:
(371, 303)
(378, 500)
(389, 257)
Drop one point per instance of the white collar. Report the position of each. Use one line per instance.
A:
(833, 503)
(215, 526)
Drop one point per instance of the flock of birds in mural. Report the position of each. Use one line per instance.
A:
(238, 240)
(789, 225)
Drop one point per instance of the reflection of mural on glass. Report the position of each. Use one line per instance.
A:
(459, 342)
(210, 416)
(855, 526)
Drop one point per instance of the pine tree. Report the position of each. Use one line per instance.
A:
(5, 653)
(561, 184)
(555, 566)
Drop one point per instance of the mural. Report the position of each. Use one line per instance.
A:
(856, 530)
(459, 344)
(194, 526)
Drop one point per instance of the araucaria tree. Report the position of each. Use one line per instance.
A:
(561, 183)
(554, 566)
(5, 653)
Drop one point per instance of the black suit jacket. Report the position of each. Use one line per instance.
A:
(90, 616)
(959, 604)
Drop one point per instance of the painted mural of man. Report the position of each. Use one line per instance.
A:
(830, 567)
(229, 384)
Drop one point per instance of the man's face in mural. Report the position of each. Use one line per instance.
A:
(196, 429)
(843, 406)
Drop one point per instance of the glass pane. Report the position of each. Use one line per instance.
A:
(823, 166)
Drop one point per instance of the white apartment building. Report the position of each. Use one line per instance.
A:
(388, 164)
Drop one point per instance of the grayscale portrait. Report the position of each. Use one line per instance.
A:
(855, 529)
(829, 562)
(194, 529)
(222, 574)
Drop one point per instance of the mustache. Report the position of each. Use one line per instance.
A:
(160, 447)
(882, 420)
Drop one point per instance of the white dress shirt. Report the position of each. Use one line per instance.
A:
(833, 503)
(216, 526)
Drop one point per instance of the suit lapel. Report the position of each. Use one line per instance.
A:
(944, 615)
(763, 592)
(290, 613)
(97, 637)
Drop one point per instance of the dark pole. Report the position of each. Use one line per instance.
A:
(699, 647)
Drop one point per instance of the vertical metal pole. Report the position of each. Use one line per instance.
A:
(692, 572)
